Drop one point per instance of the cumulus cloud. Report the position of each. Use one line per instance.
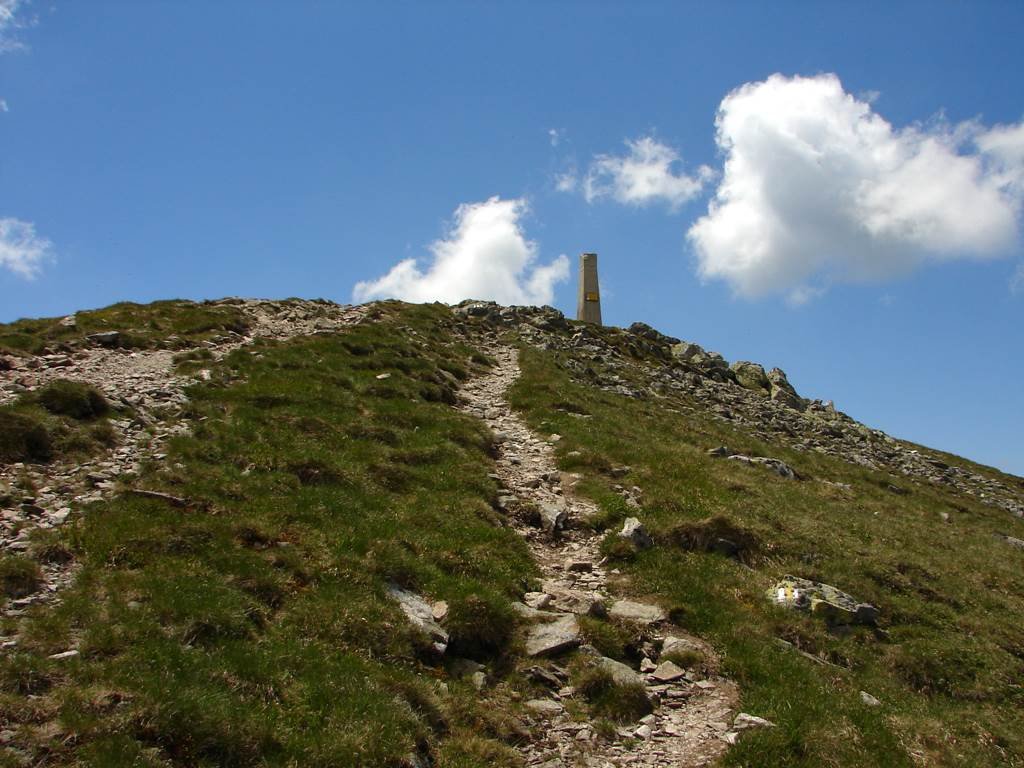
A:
(645, 174)
(818, 188)
(21, 250)
(484, 255)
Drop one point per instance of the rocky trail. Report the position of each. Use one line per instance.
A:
(145, 382)
(693, 720)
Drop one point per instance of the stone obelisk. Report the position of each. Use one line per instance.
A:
(588, 308)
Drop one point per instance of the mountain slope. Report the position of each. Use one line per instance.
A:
(301, 463)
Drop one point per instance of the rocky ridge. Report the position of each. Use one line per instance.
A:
(641, 362)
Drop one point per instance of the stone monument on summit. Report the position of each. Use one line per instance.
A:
(588, 308)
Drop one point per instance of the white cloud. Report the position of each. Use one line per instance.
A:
(818, 188)
(483, 256)
(644, 175)
(554, 136)
(10, 22)
(21, 250)
(566, 182)
(1003, 147)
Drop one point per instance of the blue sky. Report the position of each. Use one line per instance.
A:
(853, 219)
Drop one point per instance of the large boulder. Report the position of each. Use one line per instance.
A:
(822, 600)
(620, 673)
(553, 516)
(713, 366)
(686, 350)
(420, 614)
(751, 376)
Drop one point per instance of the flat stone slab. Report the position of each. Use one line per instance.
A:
(745, 722)
(559, 635)
(667, 672)
(679, 645)
(578, 601)
(545, 707)
(638, 613)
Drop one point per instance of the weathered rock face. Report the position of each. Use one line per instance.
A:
(751, 376)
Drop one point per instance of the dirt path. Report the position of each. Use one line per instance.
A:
(692, 723)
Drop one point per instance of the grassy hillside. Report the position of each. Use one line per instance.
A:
(243, 619)
(250, 625)
(948, 661)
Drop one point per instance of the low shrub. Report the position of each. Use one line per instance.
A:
(19, 576)
(480, 626)
(72, 398)
(715, 534)
(23, 438)
(24, 674)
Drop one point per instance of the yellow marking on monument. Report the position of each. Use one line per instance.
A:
(593, 297)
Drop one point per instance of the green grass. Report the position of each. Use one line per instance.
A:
(948, 666)
(172, 323)
(252, 627)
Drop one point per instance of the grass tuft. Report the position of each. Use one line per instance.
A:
(618, 702)
(19, 576)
